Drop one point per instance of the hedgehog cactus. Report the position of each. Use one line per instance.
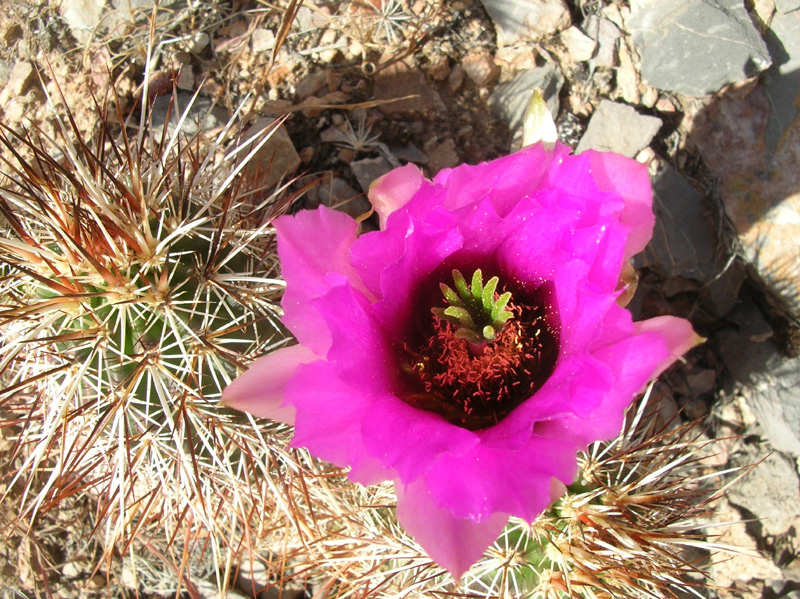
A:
(137, 278)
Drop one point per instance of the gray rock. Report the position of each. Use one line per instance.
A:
(402, 79)
(776, 505)
(369, 169)
(759, 188)
(20, 78)
(751, 321)
(769, 383)
(510, 99)
(276, 159)
(124, 13)
(720, 294)
(82, 17)
(337, 194)
(580, 46)
(517, 20)
(201, 114)
(696, 47)
(782, 85)
(682, 244)
(262, 40)
(606, 34)
(616, 127)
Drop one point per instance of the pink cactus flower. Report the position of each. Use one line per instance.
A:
(474, 344)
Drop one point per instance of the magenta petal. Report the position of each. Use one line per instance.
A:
(359, 349)
(454, 543)
(488, 480)
(506, 180)
(314, 246)
(260, 390)
(426, 436)
(423, 252)
(393, 190)
(628, 179)
(328, 421)
(678, 335)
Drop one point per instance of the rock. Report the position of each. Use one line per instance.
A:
(737, 570)
(616, 127)
(481, 68)
(518, 20)
(198, 42)
(82, 17)
(683, 244)
(122, 14)
(441, 154)
(400, 78)
(185, 79)
(202, 113)
(410, 153)
(440, 69)
(5, 72)
(262, 40)
(456, 78)
(606, 34)
(579, 45)
(720, 294)
(310, 84)
(759, 187)
(696, 47)
(277, 159)
(776, 506)
(335, 193)
(367, 170)
(782, 85)
(627, 75)
(511, 99)
(769, 385)
(20, 79)
(751, 322)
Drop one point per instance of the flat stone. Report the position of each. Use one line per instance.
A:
(510, 99)
(82, 17)
(607, 35)
(579, 45)
(337, 194)
(616, 127)
(696, 47)
(518, 20)
(720, 294)
(759, 187)
(751, 322)
(277, 159)
(682, 244)
(400, 78)
(124, 13)
(262, 40)
(20, 78)
(782, 85)
(737, 570)
(441, 154)
(769, 384)
(775, 505)
(367, 170)
(481, 68)
(310, 84)
(202, 113)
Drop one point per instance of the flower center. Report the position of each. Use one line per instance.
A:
(482, 354)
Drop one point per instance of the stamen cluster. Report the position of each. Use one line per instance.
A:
(474, 309)
(475, 382)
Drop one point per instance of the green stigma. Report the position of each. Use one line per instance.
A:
(474, 309)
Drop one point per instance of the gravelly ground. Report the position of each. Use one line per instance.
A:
(343, 60)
